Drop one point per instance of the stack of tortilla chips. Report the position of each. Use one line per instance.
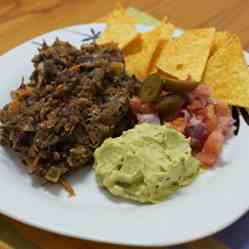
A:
(203, 55)
(227, 72)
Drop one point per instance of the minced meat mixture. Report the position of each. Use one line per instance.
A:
(74, 100)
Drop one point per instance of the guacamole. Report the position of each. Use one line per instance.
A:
(145, 164)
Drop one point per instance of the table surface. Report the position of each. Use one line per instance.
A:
(21, 20)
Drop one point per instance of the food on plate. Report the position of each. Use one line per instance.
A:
(74, 100)
(186, 56)
(139, 53)
(152, 86)
(120, 28)
(191, 111)
(185, 96)
(146, 164)
(227, 74)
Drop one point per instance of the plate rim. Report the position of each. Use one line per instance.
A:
(34, 223)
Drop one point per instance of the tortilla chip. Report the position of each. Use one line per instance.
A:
(220, 40)
(186, 56)
(227, 74)
(119, 14)
(167, 29)
(120, 28)
(138, 54)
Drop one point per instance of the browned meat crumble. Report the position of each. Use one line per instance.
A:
(74, 100)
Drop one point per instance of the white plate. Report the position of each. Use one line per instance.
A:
(214, 201)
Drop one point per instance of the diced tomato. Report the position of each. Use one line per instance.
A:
(195, 105)
(225, 124)
(202, 90)
(211, 149)
(224, 117)
(208, 117)
(211, 119)
(197, 131)
(222, 109)
(201, 114)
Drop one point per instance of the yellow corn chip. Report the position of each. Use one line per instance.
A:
(117, 12)
(221, 38)
(186, 56)
(167, 30)
(120, 28)
(227, 74)
(139, 53)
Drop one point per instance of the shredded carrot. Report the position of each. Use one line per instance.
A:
(25, 92)
(32, 166)
(29, 166)
(35, 161)
(211, 119)
(15, 106)
(75, 68)
(68, 187)
(35, 148)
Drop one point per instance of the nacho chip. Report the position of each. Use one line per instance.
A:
(186, 56)
(120, 28)
(221, 38)
(167, 29)
(227, 74)
(139, 54)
